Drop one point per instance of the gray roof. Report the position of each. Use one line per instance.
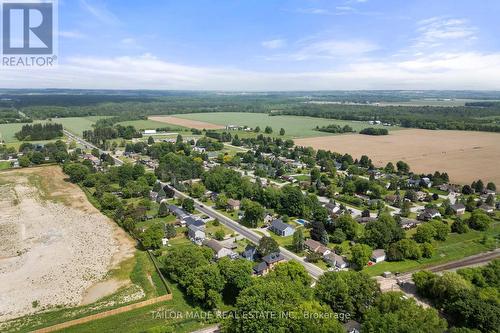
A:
(194, 228)
(278, 224)
(378, 253)
(190, 220)
(457, 206)
(273, 257)
(176, 210)
(259, 268)
(213, 244)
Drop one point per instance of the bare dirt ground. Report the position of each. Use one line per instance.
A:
(466, 156)
(54, 245)
(185, 122)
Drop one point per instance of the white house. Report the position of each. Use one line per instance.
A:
(378, 255)
(334, 259)
(149, 132)
(280, 228)
(195, 233)
(220, 250)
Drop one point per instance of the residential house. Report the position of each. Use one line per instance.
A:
(392, 199)
(335, 260)
(250, 252)
(317, 247)
(486, 208)
(280, 228)
(220, 250)
(177, 211)
(332, 208)
(428, 214)
(425, 182)
(488, 192)
(196, 234)
(408, 223)
(194, 220)
(268, 218)
(273, 259)
(458, 208)
(378, 255)
(233, 204)
(450, 188)
(352, 326)
(365, 219)
(260, 269)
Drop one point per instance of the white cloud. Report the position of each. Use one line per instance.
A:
(314, 11)
(332, 49)
(72, 34)
(274, 43)
(470, 70)
(100, 12)
(436, 31)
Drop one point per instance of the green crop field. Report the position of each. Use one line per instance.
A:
(149, 124)
(295, 126)
(77, 125)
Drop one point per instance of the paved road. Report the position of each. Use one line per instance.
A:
(254, 237)
(87, 144)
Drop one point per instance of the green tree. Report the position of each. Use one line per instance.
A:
(206, 285)
(479, 220)
(394, 313)
(170, 231)
(427, 250)
(238, 275)
(460, 226)
(188, 205)
(298, 240)
(180, 262)
(254, 213)
(282, 131)
(151, 238)
(267, 245)
(219, 234)
(425, 233)
(442, 229)
(163, 209)
(76, 172)
(197, 190)
(268, 130)
(24, 162)
(221, 201)
(347, 292)
(360, 255)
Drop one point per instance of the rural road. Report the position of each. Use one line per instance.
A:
(313, 270)
(89, 145)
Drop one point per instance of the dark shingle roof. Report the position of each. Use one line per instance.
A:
(278, 224)
(273, 257)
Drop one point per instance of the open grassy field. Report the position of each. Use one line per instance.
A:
(149, 124)
(456, 247)
(77, 125)
(295, 126)
(465, 156)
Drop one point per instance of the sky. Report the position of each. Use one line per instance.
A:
(260, 45)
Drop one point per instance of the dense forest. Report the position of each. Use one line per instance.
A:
(40, 132)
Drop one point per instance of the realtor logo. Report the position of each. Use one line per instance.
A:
(28, 33)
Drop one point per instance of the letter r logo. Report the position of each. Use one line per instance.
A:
(27, 28)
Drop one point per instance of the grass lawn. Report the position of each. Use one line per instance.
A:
(456, 247)
(4, 165)
(295, 126)
(147, 319)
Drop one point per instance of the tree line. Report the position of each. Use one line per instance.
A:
(46, 131)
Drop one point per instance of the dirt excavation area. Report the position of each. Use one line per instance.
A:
(186, 122)
(54, 245)
(466, 156)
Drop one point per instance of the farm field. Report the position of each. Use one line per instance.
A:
(49, 227)
(188, 123)
(295, 126)
(77, 125)
(148, 124)
(465, 156)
